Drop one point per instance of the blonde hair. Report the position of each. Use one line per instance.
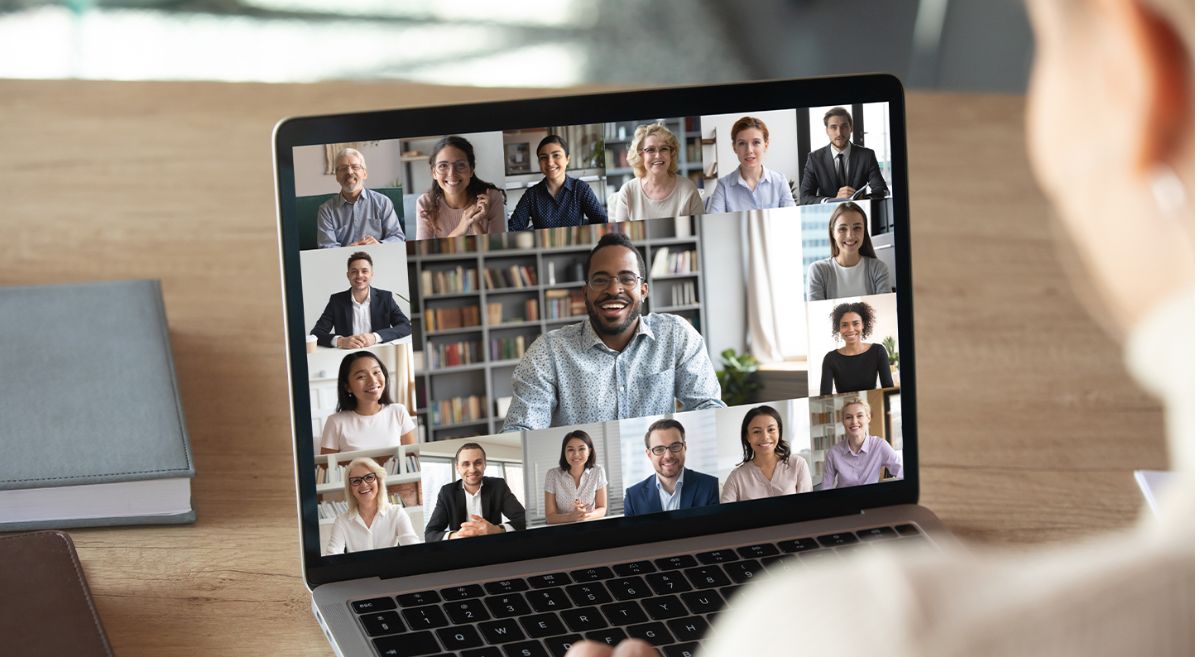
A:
(855, 400)
(381, 497)
(640, 135)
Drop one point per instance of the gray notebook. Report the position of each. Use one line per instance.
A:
(91, 426)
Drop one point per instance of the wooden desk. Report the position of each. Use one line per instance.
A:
(1029, 427)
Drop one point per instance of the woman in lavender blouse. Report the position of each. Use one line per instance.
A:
(768, 467)
(858, 459)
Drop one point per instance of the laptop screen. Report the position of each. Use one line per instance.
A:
(650, 318)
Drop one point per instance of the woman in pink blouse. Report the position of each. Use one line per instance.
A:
(768, 467)
(458, 202)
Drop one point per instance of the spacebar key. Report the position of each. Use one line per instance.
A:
(407, 645)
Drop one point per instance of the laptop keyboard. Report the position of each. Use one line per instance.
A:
(668, 602)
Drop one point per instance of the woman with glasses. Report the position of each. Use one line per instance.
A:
(366, 416)
(458, 203)
(575, 490)
(657, 190)
(371, 521)
(852, 269)
(751, 186)
(768, 467)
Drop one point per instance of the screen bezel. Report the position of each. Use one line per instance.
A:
(567, 110)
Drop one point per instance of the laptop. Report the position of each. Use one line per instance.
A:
(582, 367)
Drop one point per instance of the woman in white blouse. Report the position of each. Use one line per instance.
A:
(576, 489)
(768, 467)
(657, 190)
(366, 416)
(371, 522)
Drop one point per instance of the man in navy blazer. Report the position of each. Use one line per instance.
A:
(825, 179)
(361, 316)
(672, 486)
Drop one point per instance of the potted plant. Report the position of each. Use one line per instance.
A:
(736, 376)
(889, 345)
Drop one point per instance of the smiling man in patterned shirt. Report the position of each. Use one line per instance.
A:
(617, 363)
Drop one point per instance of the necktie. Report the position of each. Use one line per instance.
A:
(841, 169)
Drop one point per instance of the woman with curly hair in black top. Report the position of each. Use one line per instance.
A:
(857, 364)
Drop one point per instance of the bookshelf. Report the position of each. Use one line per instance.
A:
(479, 302)
(330, 486)
(616, 150)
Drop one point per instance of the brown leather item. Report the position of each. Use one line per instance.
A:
(45, 606)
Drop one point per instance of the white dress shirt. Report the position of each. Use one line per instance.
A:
(391, 527)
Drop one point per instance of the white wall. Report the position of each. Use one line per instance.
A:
(323, 272)
(820, 330)
(782, 152)
(384, 168)
(724, 301)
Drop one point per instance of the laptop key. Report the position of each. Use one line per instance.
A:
(549, 579)
(588, 594)
(525, 649)
(540, 626)
(676, 562)
(907, 529)
(758, 551)
(628, 588)
(584, 619)
(623, 613)
(834, 540)
(668, 606)
(425, 618)
(385, 622)
(548, 600)
(612, 636)
(506, 586)
(466, 611)
(706, 577)
(506, 606)
(688, 629)
(799, 545)
(742, 571)
(717, 556)
(459, 638)
(680, 650)
(655, 634)
(728, 592)
(591, 574)
(418, 599)
(462, 592)
(633, 568)
(703, 602)
(501, 631)
(483, 652)
(559, 645)
(407, 645)
(875, 533)
(671, 581)
(374, 604)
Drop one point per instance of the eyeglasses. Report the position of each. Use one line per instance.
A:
(675, 447)
(602, 281)
(356, 168)
(460, 166)
(650, 150)
(367, 478)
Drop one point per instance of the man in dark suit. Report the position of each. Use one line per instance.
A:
(362, 316)
(474, 505)
(672, 486)
(838, 170)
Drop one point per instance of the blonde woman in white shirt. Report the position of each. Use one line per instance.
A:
(657, 190)
(576, 489)
(372, 521)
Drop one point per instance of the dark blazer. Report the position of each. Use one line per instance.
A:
(450, 512)
(699, 489)
(386, 318)
(820, 177)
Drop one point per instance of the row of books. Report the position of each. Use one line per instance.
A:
(561, 304)
(496, 316)
(506, 348)
(392, 466)
(554, 238)
(444, 319)
(330, 509)
(451, 354)
(683, 293)
(445, 246)
(677, 262)
(457, 410)
(505, 277)
(448, 281)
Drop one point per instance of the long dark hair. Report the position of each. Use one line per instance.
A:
(562, 451)
(474, 188)
(346, 399)
(782, 449)
(865, 249)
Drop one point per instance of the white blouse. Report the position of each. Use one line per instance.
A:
(390, 527)
(348, 431)
(561, 485)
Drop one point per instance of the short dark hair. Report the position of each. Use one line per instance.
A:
(782, 449)
(865, 249)
(838, 111)
(346, 399)
(587, 440)
(614, 239)
(465, 446)
(359, 255)
(666, 423)
(866, 312)
(552, 139)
